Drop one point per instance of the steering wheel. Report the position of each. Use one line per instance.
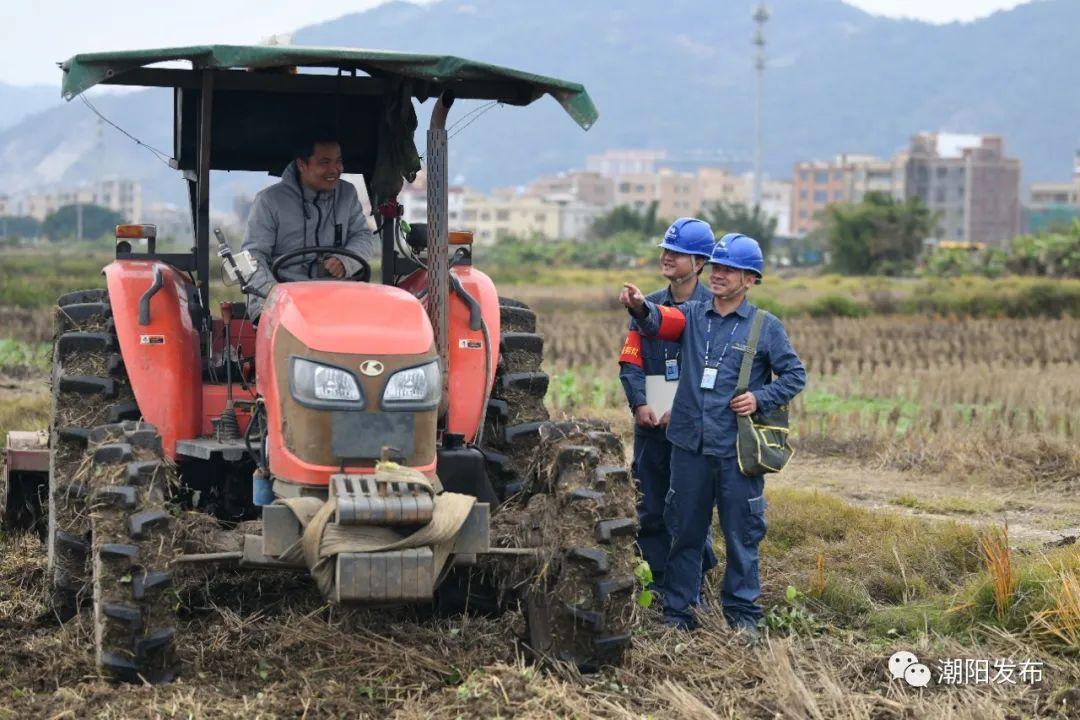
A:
(361, 275)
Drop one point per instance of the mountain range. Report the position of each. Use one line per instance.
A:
(675, 74)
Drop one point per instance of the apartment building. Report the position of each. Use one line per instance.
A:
(617, 163)
(846, 178)
(969, 182)
(637, 190)
(117, 194)
(677, 194)
(590, 187)
(499, 216)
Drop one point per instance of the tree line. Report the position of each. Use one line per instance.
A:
(62, 224)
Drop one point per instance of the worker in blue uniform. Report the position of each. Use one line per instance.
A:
(686, 247)
(704, 468)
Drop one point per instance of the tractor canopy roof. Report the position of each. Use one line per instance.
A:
(262, 108)
(428, 75)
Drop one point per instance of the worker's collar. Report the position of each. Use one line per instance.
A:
(743, 310)
(671, 295)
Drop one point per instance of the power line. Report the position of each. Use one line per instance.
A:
(480, 108)
(474, 119)
(162, 156)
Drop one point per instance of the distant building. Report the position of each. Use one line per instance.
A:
(617, 163)
(587, 186)
(117, 194)
(678, 195)
(1052, 205)
(414, 198)
(776, 202)
(120, 195)
(1046, 194)
(637, 190)
(847, 178)
(716, 185)
(970, 182)
(497, 217)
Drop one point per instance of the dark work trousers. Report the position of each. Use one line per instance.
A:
(652, 468)
(698, 483)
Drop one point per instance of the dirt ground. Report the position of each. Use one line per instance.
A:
(1035, 515)
(267, 646)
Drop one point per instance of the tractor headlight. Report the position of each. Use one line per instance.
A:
(415, 388)
(318, 384)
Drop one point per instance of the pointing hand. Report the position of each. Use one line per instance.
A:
(631, 297)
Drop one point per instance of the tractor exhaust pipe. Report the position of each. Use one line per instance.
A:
(439, 232)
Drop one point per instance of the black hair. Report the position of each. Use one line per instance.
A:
(306, 148)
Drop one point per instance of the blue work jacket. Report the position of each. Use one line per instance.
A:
(702, 420)
(651, 354)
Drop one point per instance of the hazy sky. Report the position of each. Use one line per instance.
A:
(35, 34)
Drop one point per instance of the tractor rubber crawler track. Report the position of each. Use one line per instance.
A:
(89, 387)
(582, 514)
(133, 545)
(516, 407)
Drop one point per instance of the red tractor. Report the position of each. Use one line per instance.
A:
(391, 439)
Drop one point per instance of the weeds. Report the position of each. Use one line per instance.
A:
(999, 565)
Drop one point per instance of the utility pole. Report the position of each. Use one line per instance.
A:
(761, 16)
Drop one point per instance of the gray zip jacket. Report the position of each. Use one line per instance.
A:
(288, 216)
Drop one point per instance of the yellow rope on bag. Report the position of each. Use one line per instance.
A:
(324, 539)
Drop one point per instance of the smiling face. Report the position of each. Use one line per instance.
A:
(727, 283)
(677, 266)
(322, 169)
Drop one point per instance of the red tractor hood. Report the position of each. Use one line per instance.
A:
(350, 317)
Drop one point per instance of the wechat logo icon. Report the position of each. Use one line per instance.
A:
(904, 664)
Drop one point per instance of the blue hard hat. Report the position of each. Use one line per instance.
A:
(738, 251)
(689, 236)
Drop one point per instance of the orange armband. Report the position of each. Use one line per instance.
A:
(672, 323)
(631, 350)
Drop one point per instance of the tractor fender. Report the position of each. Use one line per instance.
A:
(468, 388)
(153, 307)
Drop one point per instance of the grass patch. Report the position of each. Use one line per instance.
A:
(21, 359)
(949, 504)
(24, 412)
(893, 575)
(869, 556)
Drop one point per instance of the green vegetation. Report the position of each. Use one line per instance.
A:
(36, 277)
(14, 228)
(625, 219)
(741, 218)
(97, 222)
(28, 411)
(878, 235)
(18, 359)
(893, 575)
(1052, 254)
(1047, 254)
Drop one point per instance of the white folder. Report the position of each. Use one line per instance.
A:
(660, 393)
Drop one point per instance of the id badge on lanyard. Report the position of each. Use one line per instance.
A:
(671, 370)
(708, 375)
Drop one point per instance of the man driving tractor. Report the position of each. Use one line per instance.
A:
(311, 206)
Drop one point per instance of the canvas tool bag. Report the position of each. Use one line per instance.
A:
(762, 443)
